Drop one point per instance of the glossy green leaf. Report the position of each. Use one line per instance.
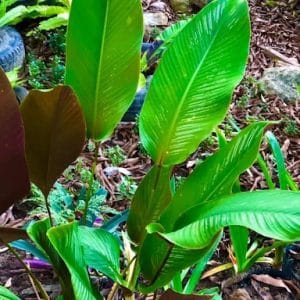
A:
(196, 273)
(172, 31)
(167, 260)
(54, 133)
(274, 214)
(8, 235)
(285, 180)
(152, 196)
(217, 174)
(101, 251)
(38, 233)
(239, 237)
(192, 86)
(66, 241)
(213, 178)
(6, 294)
(29, 247)
(14, 177)
(103, 64)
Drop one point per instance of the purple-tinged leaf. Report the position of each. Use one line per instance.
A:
(14, 178)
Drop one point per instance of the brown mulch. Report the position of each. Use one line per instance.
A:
(274, 27)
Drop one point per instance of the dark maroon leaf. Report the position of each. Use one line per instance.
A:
(54, 133)
(14, 180)
(8, 235)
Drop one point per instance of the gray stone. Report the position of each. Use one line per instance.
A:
(155, 19)
(283, 82)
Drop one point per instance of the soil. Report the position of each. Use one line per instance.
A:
(275, 27)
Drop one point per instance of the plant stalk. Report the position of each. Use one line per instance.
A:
(49, 211)
(90, 187)
(39, 286)
(278, 257)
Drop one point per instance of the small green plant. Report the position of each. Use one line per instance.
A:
(42, 75)
(13, 77)
(127, 188)
(37, 72)
(116, 155)
(243, 101)
(291, 128)
(57, 41)
(13, 12)
(58, 70)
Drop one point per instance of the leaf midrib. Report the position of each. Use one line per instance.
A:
(98, 84)
(172, 127)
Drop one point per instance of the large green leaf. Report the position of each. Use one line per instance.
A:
(38, 233)
(65, 239)
(6, 294)
(103, 55)
(101, 251)
(54, 133)
(152, 196)
(213, 178)
(159, 272)
(274, 214)
(192, 87)
(13, 170)
(217, 174)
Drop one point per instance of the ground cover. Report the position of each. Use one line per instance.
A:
(120, 170)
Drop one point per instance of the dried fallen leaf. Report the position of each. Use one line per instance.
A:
(267, 279)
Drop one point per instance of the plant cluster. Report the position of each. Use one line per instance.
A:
(169, 229)
(56, 12)
(42, 75)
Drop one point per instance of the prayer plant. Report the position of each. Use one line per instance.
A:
(168, 230)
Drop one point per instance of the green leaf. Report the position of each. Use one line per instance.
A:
(213, 178)
(66, 241)
(54, 133)
(13, 15)
(192, 86)
(164, 260)
(38, 233)
(103, 64)
(8, 235)
(13, 170)
(274, 214)
(217, 174)
(239, 237)
(6, 294)
(101, 251)
(172, 31)
(196, 274)
(54, 22)
(283, 174)
(152, 196)
(29, 247)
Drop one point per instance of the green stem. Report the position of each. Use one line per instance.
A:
(49, 211)
(90, 187)
(34, 279)
(278, 256)
(133, 275)
(265, 171)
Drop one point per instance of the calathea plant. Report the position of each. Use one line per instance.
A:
(188, 97)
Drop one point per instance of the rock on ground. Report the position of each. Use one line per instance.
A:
(283, 82)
